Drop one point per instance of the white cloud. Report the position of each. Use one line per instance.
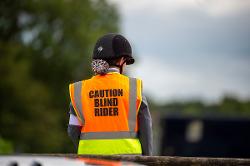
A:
(224, 7)
(188, 30)
(212, 7)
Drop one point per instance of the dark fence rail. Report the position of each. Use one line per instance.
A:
(165, 160)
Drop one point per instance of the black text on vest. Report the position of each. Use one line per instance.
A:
(106, 101)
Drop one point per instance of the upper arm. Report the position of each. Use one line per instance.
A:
(73, 120)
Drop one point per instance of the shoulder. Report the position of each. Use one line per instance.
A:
(80, 82)
(76, 85)
(131, 78)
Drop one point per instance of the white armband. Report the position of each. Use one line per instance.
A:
(73, 120)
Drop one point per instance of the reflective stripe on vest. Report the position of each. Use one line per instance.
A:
(132, 103)
(76, 99)
(108, 135)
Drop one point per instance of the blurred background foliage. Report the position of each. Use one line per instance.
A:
(228, 106)
(45, 45)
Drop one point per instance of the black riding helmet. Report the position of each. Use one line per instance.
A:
(113, 46)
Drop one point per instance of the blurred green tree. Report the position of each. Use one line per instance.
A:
(232, 106)
(229, 106)
(5, 147)
(45, 45)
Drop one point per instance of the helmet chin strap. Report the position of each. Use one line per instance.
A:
(120, 67)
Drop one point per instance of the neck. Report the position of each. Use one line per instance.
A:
(114, 69)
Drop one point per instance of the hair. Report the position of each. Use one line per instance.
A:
(101, 66)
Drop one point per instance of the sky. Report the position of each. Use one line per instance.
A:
(189, 49)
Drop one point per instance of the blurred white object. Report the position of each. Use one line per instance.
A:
(194, 131)
(38, 161)
(6, 160)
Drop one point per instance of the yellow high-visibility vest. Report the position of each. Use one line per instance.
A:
(108, 105)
